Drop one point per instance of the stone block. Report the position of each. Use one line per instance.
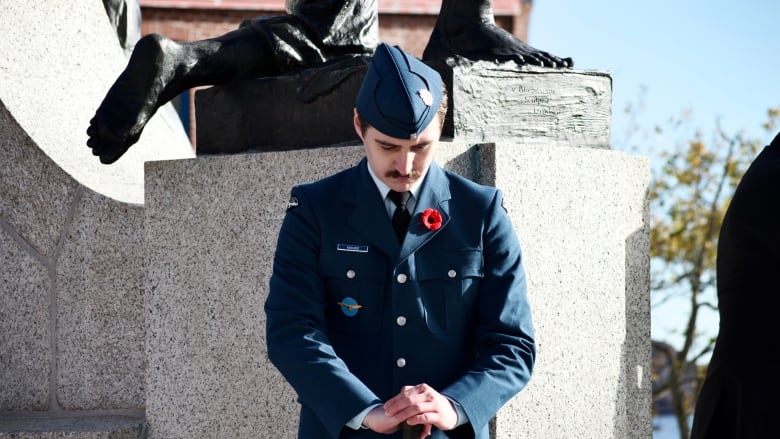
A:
(211, 226)
(529, 105)
(488, 103)
(25, 350)
(71, 290)
(246, 114)
(35, 193)
(72, 427)
(582, 219)
(100, 338)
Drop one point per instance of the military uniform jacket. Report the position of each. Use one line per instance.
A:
(352, 315)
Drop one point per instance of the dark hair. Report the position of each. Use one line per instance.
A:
(441, 112)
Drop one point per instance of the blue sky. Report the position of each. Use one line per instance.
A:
(712, 59)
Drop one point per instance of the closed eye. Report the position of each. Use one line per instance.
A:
(388, 146)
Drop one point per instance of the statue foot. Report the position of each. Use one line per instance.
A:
(482, 41)
(130, 102)
(111, 142)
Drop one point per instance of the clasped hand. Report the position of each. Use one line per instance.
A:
(415, 405)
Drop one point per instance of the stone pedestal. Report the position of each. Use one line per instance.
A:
(581, 216)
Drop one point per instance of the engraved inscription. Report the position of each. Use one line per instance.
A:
(563, 109)
(546, 111)
(531, 90)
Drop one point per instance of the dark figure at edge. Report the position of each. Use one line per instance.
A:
(740, 397)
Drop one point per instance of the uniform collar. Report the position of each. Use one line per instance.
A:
(384, 189)
(368, 211)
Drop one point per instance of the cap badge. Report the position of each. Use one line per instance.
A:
(426, 97)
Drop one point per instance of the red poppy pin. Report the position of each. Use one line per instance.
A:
(431, 219)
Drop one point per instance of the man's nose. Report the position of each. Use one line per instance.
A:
(404, 162)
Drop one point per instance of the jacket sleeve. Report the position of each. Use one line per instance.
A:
(297, 342)
(504, 331)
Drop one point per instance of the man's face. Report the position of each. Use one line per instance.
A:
(399, 163)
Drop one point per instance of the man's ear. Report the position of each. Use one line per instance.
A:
(356, 124)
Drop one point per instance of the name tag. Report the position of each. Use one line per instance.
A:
(352, 248)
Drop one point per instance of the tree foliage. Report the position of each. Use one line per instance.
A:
(690, 189)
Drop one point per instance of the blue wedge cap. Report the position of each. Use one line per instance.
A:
(400, 94)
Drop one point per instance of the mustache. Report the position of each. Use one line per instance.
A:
(414, 173)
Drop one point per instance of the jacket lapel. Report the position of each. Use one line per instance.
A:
(368, 216)
(435, 194)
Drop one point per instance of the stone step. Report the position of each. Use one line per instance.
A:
(49, 426)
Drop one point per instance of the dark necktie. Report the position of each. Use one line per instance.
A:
(401, 216)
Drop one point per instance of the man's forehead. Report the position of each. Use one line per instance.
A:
(430, 135)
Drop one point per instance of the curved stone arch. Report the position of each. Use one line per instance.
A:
(56, 63)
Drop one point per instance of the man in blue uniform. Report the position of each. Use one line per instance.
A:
(381, 332)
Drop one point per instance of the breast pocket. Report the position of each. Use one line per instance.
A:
(354, 291)
(449, 283)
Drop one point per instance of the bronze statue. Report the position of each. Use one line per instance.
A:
(125, 18)
(314, 32)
